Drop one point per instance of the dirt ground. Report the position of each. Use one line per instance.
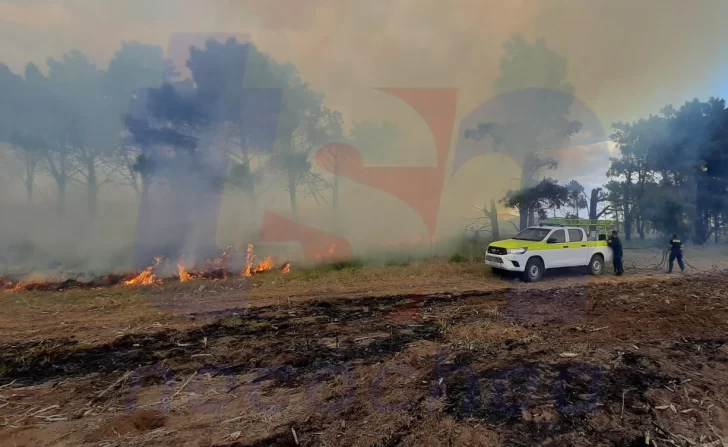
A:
(422, 355)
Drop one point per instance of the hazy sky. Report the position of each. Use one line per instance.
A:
(626, 58)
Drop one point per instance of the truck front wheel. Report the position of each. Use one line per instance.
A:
(596, 265)
(534, 270)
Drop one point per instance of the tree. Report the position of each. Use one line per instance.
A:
(90, 125)
(525, 65)
(577, 198)
(239, 101)
(492, 215)
(316, 128)
(547, 194)
(304, 124)
(169, 134)
(264, 109)
(671, 173)
(596, 197)
(135, 68)
(532, 109)
(31, 149)
(24, 111)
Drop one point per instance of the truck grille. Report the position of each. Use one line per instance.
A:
(497, 251)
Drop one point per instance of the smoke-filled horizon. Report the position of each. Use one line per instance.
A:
(625, 59)
(374, 127)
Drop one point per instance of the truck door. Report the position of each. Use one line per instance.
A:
(558, 253)
(578, 248)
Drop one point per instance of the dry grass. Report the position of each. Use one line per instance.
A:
(375, 278)
(96, 315)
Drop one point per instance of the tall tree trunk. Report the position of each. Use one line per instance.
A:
(593, 202)
(627, 223)
(628, 208)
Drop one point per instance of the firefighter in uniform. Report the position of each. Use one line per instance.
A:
(676, 253)
(616, 246)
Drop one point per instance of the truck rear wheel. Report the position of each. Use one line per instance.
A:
(534, 270)
(596, 265)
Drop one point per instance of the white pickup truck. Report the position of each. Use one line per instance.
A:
(547, 246)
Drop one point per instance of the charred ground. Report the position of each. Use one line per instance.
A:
(600, 362)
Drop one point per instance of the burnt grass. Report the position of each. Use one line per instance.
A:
(502, 396)
(281, 332)
(289, 345)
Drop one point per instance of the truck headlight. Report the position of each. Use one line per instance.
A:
(517, 251)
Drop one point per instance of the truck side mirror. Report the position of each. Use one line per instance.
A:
(551, 240)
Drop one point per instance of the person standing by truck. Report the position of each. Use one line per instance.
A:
(616, 246)
(676, 253)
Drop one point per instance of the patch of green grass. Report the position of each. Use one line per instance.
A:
(457, 258)
(259, 325)
(443, 326)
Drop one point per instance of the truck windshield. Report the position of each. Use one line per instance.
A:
(532, 234)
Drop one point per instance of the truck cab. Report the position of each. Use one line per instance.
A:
(552, 245)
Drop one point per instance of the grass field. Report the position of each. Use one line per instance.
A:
(430, 353)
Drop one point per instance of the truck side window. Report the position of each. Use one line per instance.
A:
(559, 235)
(576, 236)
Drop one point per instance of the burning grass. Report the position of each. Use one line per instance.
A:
(218, 268)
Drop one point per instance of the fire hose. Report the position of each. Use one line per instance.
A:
(656, 266)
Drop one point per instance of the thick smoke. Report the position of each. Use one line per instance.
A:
(620, 60)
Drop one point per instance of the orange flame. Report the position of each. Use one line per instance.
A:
(19, 287)
(145, 278)
(249, 255)
(184, 275)
(264, 266)
(286, 268)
